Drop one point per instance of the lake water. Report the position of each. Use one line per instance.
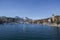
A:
(29, 32)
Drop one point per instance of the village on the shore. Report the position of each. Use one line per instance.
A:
(53, 20)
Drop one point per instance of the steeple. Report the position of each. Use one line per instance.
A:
(53, 14)
(53, 17)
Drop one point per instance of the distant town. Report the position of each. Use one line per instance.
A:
(54, 19)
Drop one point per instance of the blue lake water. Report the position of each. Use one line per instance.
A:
(29, 32)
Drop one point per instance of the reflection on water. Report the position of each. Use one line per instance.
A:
(29, 32)
(57, 32)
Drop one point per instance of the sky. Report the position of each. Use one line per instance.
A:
(34, 9)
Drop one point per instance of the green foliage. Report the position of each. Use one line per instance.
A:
(57, 22)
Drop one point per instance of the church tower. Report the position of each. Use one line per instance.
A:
(53, 17)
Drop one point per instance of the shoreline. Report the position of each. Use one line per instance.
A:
(53, 25)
